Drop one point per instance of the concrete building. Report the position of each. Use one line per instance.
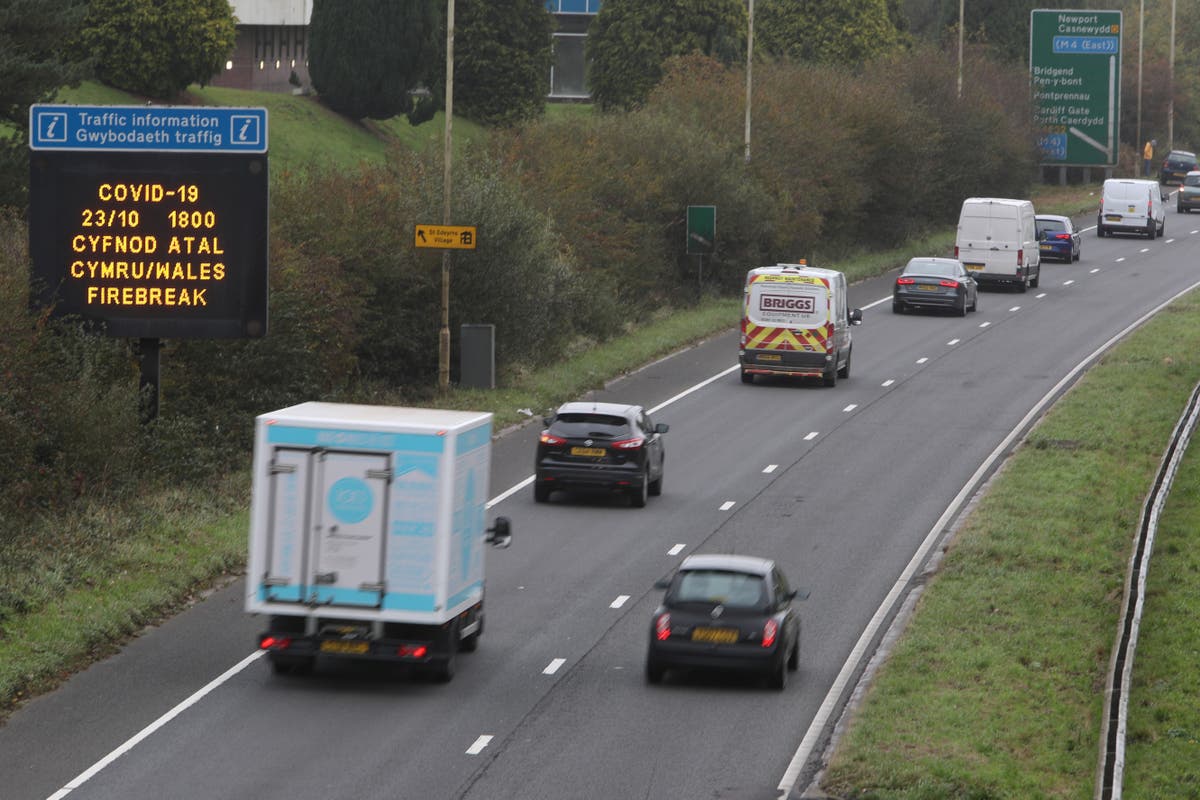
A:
(271, 53)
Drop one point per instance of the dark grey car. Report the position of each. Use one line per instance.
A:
(605, 447)
(935, 283)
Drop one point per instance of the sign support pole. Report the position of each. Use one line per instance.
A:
(444, 333)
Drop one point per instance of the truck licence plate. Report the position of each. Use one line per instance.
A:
(345, 648)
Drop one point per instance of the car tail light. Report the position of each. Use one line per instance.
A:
(1063, 236)
(550, 438)
(629, 444)
(770, 631)
(949, 284)
(275, 643)
(662, 627)
(905, 281)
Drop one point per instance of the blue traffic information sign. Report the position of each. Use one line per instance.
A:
(178, 129)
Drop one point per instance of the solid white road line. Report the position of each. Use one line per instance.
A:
(132, 742)
(809, 742)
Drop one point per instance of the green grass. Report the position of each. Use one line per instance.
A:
(996, 688)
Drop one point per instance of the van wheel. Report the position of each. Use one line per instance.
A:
(830, 377)
(844, 372)
(1100, 230)
(1151, 230)
(1022, 286)
(1033, 284)
(747, 377)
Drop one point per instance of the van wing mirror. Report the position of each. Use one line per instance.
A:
(500, 534)
(855, 316)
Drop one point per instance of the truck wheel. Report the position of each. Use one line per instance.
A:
(471, 643)
(291, 665)
(443, 671)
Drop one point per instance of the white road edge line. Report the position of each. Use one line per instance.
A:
(553, 666)
(137, 738)
(808, 743)
(477, 747)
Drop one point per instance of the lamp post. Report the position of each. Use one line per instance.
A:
(749, 72)
(1137, 142)
(960, 47)
(1171, 86)
(444, 333)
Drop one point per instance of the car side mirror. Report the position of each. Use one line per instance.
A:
(855, 316)
(662, 427)
(662, 583)
(500, 534)
(548, 420)
(799, 594)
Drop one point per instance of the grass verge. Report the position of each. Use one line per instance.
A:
(996, 688)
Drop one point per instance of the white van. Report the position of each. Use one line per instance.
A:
(997, 242)
(796, 322)
(1131, 205)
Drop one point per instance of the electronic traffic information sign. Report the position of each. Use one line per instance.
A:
(151, 220)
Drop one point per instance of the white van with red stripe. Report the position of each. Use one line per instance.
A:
(796, 322)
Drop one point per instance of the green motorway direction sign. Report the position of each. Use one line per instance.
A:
(1075, 69)
(701, 230)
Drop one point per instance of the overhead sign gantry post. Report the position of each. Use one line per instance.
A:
(1075, 71)
(150, 222)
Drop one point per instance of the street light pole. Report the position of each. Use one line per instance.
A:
(444, 333)
(1137, 142)
(1171, 87)
(749, 72)
(960, 47)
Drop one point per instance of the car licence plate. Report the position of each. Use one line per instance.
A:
(345, 648)
(592, 452)
(715, 635)
(770, 357)
(1047, 247)
(928, 287)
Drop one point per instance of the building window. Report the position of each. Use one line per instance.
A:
(568, 74)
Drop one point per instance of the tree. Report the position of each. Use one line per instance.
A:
(158, 48)
(825, 31)
(366, 57)
(502, 59)
(35, 66)
(629, 40)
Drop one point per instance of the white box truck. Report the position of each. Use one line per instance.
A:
(367, 534)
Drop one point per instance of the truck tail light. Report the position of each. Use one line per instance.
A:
(770, 632)
(662, 627)
(412, 651)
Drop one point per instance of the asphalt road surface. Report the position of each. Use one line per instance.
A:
(842, 486)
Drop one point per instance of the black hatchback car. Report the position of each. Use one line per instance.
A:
(1176, 166)
(726, 612)
(600, 446)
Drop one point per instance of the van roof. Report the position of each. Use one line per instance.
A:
(1003, 201)
(800, 269)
